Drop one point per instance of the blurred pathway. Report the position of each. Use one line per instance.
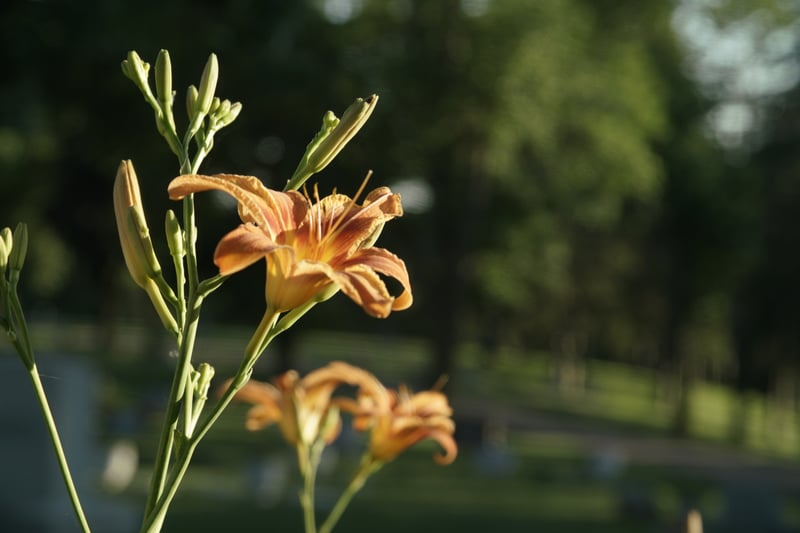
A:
(707, 459)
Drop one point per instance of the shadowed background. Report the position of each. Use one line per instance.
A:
(601, 231)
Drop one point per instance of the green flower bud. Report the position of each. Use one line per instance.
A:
(6, 241)
(164, 79)
(231, 115)
(223, 108)
(16, 257)
(329, 122)
(136, 69)
(331, 139)
(197, 395)
(208, 85)
(352, 120)
(174, 235)
(215, 103)
(191, 100)
(205, 374)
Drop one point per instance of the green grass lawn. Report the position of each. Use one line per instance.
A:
(542, 480)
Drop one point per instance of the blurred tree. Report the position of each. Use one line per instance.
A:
(561, 188)
(534, 126)
(768, 314)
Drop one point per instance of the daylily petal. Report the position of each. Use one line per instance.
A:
(357, 226)
(291, 284)
(385, 262)
(270, 210)
(446, 441)
(367, 289)
(266, 398)
(304, 408)
(326, 379)
(261, 416)
(241, 248)
(430, 403)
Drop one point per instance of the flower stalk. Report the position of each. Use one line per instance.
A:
(369, 465)
(169, 479)
(13, 249)
(313, 249)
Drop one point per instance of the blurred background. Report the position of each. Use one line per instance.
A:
(602, 231)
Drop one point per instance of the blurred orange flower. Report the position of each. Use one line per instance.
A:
(309, 246)
(404, 421)
(302, 407)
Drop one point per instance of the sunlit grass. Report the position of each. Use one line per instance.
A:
(548, 482)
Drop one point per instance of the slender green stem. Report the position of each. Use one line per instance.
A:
(186, 342)
(19, 325)
(367, 468)
(308, 461)
(58, 448)
(202, 151)
(154, 519)
(21, 342)
(190, 234)
(169, 427)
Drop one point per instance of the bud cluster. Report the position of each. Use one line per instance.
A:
(206, 112)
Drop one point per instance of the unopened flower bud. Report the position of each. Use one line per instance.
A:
(208, 85)
(174, 235)
(16, 256)
(352, 120)
(215, 103)
(127, 196)
(230, 115)
(164, 78)
(331, 139)
(191, 100)
(136, 69)
(5, 248)
(137, 225)
(205, 374)
(134, 237)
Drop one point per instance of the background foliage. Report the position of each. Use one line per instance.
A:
(569, 179)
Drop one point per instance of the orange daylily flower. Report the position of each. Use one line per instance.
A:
(406, 420)
(302, 407)
(309, 247)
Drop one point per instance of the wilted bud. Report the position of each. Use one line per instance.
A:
(164, 78)
(208, 85)
(16, 256)
(332, 138)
